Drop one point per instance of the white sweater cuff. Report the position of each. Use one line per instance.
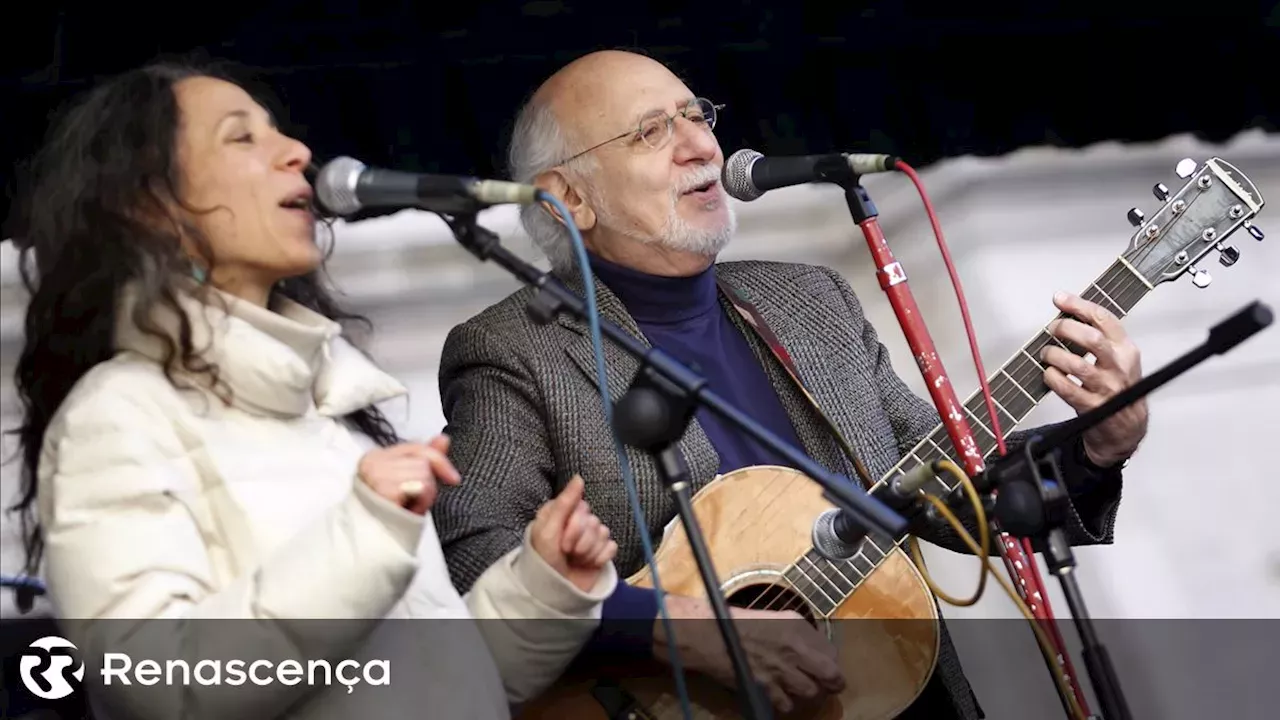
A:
(403, 526)
(555, 590)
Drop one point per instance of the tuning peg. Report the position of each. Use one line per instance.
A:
(1200, 278)
(1186, 168)
(1136, 217)
(1254, 230)
(1228, 255)
(1161, 191)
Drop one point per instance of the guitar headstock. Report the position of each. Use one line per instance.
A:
(1216, 201)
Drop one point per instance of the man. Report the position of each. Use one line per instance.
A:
(630, 152)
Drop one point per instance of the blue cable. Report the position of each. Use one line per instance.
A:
(633, 495)
(23, 581)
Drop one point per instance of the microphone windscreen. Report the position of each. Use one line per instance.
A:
(736, 175)
(336, 185)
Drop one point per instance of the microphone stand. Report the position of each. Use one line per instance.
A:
(1033, 500)
(654, 414)
(893, 280)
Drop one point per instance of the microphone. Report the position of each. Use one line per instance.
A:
(836, 534)
(345, 185)
(747, 174)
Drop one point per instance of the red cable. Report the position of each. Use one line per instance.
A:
(1044, 612)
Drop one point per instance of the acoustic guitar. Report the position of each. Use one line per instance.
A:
(758, 521)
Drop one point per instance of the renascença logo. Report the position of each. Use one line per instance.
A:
(49, 666)
(116, 668)
(50, 669)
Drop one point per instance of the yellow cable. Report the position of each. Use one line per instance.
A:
(983, 532)
(982, 551)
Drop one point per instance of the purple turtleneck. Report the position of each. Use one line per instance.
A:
(683, 317)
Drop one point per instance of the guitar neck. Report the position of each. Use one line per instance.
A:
(1017, 388)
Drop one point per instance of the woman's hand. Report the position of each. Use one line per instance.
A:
(406, 474)
(571, 538)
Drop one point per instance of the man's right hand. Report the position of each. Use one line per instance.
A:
(791, 659)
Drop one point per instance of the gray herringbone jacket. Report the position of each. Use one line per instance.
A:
(524, 412)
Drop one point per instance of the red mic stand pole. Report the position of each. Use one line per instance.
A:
(893, 280)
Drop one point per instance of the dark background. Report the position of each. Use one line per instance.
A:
(432, 86)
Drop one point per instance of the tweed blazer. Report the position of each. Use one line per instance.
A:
(525, 414)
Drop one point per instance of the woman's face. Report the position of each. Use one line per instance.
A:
(248, 176)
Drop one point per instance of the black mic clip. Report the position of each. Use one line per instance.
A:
(1032, 495)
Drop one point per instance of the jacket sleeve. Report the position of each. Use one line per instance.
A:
(130, 571)
(1095, 492)
(534, 621)
(498, 443)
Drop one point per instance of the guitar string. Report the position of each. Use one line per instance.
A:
(1119, 287)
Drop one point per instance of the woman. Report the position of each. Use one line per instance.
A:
(200, 442)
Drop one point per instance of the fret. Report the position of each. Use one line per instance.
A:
(1124, 284)
(863, 565)
(811, 590)
(831, 573)
(848, 569)
(1013, 403)
(1017, 388)
(872, 550)
(977, 406)
(827, 591)
(1103, 299)
(1030, 377)
(980, 428)
(942, 449)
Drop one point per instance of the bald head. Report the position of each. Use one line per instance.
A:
(605, 89)
(629, 150)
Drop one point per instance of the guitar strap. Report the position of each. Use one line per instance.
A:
(755, 320)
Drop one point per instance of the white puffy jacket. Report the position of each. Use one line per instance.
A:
(179, 528)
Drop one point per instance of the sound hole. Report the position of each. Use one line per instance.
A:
(772, 596)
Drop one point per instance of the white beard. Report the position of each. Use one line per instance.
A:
(676, 233)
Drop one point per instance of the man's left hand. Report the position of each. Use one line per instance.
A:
(1118, 366)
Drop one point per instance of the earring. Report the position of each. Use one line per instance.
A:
(199, 274)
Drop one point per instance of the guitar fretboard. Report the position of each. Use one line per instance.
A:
(1017, 388)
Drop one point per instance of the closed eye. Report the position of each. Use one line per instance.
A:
(651, 133)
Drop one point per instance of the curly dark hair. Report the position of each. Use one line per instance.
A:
(109, 162)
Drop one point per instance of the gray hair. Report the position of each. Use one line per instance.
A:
(538, 143)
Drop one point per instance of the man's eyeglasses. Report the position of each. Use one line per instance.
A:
(656, 128)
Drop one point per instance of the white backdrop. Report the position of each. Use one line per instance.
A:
(1196, 536)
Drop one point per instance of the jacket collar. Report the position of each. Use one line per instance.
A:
(285, 363)
(608, 304)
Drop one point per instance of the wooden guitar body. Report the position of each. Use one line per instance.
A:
(757, 521)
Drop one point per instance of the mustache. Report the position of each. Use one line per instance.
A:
(703, 175)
